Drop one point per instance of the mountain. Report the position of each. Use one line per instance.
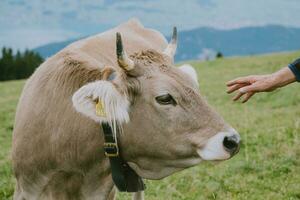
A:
(243, 41)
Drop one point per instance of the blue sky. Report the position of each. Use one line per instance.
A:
(31, 23)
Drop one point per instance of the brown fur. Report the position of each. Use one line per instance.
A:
(53, 145)
(57, 152)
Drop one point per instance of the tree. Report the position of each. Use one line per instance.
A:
(7, 68)
(219, 55)
(18, 66)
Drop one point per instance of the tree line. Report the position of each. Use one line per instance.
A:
(19, 65)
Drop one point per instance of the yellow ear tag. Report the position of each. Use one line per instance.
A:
(100, 111)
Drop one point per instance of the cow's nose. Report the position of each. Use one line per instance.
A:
(231, 144)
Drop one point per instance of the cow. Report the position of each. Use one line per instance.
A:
(164, 124)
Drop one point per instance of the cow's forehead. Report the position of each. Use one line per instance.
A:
(149, 56)
(180, 78)
(170, 78)
(161, 68)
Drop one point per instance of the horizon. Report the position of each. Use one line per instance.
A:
(166, 35)
(36, 23)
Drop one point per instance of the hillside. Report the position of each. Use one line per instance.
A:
(244, 41)
(268, 165)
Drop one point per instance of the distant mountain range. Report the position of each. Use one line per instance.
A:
(193, 44)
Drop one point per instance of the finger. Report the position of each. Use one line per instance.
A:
(248, 96)
(235, 87)
(238, 96)
(240, 80)
(250, 88)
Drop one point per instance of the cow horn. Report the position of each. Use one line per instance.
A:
(123, 60)
(170, 50)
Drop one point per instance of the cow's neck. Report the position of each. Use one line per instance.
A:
(124, 177)
(99, 182)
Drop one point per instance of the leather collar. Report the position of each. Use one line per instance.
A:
(124, 177)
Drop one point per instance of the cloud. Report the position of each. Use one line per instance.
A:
(207, 3)
(31, 38)
(82, 18)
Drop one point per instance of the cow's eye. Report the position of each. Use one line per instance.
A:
(165, 99)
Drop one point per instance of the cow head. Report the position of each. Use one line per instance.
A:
(166, 124)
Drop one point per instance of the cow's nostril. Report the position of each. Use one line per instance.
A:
(231, 144)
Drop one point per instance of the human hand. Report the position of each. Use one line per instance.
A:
(250, 85)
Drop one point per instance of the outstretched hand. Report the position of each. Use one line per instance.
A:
(249, 85)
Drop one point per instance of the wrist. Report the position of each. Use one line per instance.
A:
(283, 77)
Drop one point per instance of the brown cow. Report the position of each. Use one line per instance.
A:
(166, 125)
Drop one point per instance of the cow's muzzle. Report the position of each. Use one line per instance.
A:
(221, 146)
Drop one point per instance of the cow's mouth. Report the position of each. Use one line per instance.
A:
(221, 146)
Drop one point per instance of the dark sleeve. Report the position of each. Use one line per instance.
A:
(295, 68)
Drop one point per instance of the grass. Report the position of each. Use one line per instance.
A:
(268, 165)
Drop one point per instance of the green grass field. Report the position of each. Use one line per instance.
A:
(268, 165)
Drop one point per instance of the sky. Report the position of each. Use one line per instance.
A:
(32, 23)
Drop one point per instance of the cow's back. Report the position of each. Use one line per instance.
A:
(53, 146)
(135, 38)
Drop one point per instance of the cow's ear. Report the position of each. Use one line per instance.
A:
(102, 102)
(189, 70)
